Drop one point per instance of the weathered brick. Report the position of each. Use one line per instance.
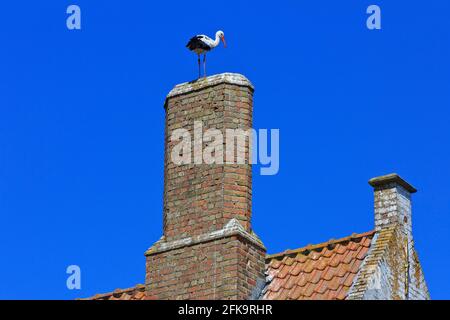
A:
(200, 199)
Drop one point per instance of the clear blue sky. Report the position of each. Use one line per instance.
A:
(82, 124)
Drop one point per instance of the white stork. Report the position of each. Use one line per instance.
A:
(201, 44)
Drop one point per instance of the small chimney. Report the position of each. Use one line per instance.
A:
(392, 202)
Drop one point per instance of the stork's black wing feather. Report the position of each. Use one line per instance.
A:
(197, 43)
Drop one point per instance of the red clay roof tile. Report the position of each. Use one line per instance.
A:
(290, 282)
(296, 293)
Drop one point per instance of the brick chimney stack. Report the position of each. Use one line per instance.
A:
(392, 202)
(208, 249)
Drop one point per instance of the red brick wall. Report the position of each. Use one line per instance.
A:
(202, 198)
(222, 269)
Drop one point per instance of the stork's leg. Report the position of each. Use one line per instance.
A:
(199, 67)
(204, 65)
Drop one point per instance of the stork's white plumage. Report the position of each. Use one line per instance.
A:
(201, 44)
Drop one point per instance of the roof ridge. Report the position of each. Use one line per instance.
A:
(311, 247)
(116, 292)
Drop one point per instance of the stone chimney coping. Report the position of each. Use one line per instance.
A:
(232, 228)
(392, 178)
(200, 84)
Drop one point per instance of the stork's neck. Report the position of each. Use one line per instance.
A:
(217, 41)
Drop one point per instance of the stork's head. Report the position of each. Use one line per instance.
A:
(221, 35)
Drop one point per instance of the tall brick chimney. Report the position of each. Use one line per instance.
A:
(392, 202)
(208, 249)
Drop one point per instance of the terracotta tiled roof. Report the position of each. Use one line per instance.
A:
(325, 271)
(135, 293)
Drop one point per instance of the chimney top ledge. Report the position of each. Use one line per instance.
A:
(202, 83)
(391, 178)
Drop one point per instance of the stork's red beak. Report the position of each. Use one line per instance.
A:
(224, 42)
